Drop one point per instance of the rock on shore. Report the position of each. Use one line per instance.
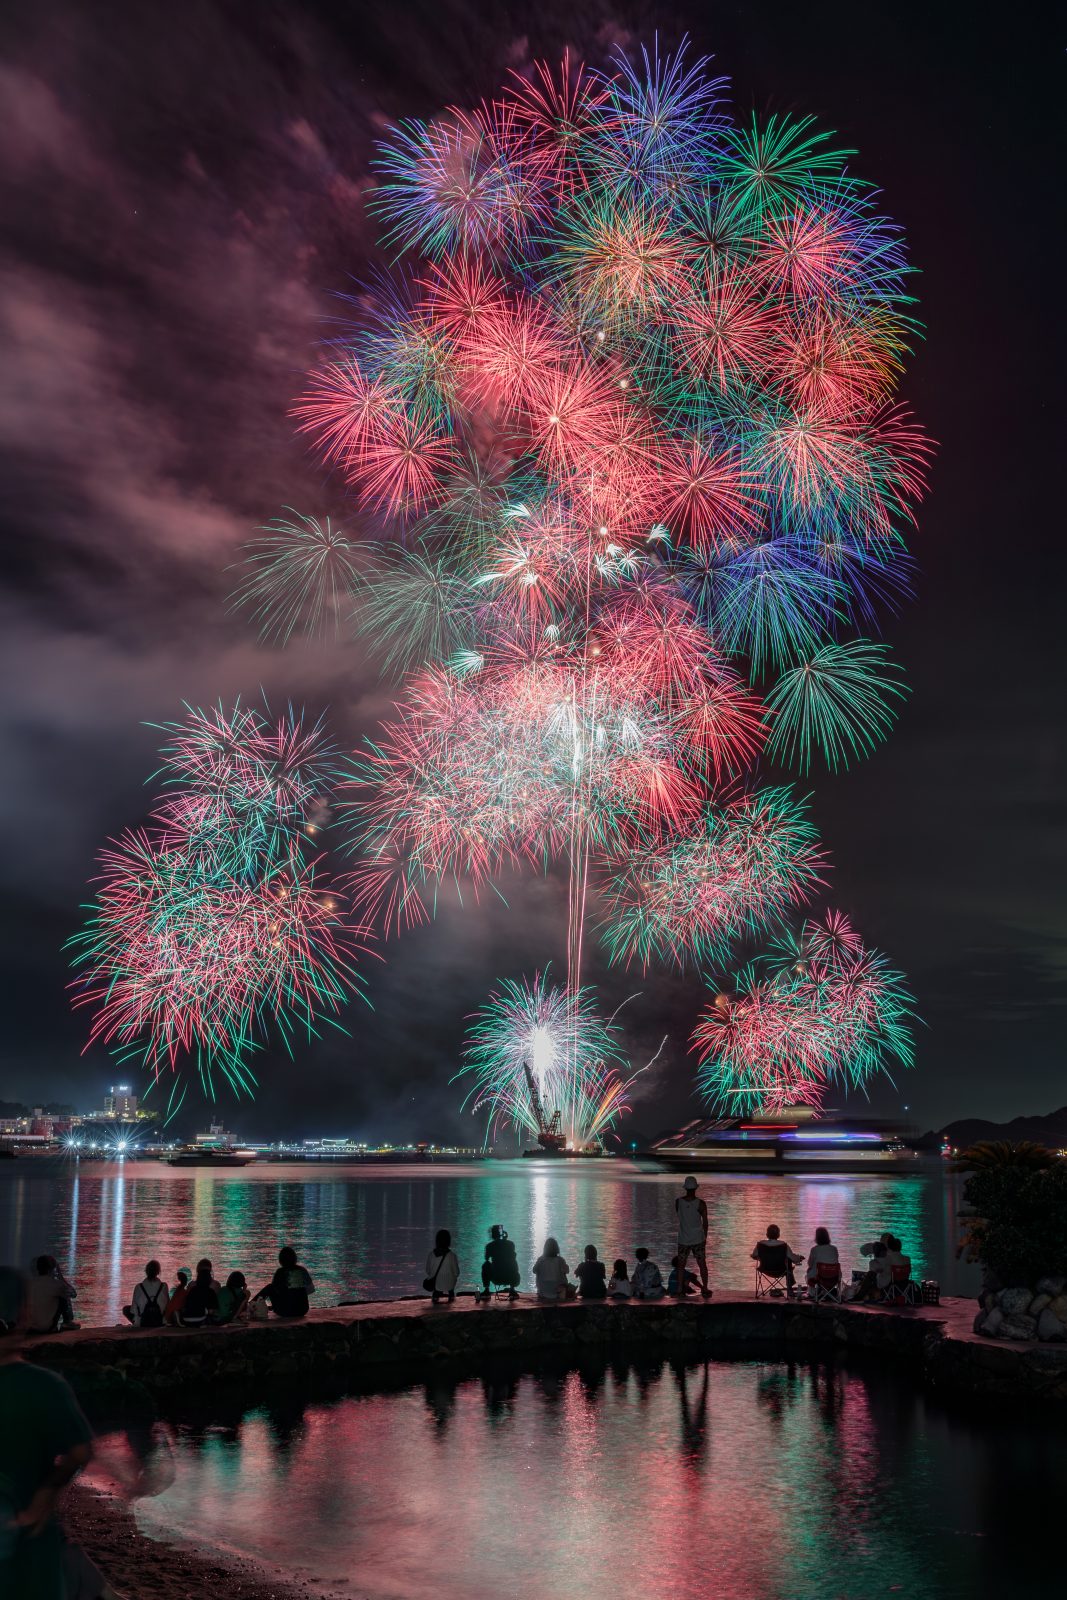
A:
(1020, 1312)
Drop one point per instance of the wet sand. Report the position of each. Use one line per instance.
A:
(139, 1568)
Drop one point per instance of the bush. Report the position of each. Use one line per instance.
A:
(1019, 1230)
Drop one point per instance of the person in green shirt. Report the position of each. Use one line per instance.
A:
(44, 1442)
(233, 1297)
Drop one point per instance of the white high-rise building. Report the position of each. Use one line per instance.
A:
(121, 1102)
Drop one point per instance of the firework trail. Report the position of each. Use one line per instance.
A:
(620, 429)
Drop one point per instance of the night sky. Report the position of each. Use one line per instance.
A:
(181, 190)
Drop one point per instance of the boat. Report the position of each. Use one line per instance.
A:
(567, 1153)
(216, 1148)
(794, 1140)
(342, 1152)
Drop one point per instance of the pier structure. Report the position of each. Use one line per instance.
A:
(936, 1344)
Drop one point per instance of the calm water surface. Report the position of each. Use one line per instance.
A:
(365, 1232)
(719, 1480)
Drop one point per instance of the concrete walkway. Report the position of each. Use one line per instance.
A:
(343, 1341)
(954, 1315)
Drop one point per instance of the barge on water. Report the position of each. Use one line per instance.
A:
(795, 1141)
(216, 1148)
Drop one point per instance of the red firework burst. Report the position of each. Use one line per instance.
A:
(561, 109)
(725, 329)
(709, 499)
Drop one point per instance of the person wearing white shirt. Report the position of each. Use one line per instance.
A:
(550, 1274)
(49, 1298)
(884, 1255)
(822, 1252)
(442, 1268)
(692, 1215)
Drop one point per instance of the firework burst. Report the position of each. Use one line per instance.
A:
(303, 578)
(624, 427)
(818, 1009)
(686, 900)
(217, 929)
(841, 702)
(539, 1054)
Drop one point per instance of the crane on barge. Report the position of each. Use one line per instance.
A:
(550, 1135)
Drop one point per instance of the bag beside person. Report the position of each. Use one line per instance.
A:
(430, 1284)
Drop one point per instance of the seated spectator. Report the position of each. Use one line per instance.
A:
(148, 1303)
(204, 1265)
(442, 1269)
(13, 1286)
(201, 1303)
(872, 1248)
(500, 1269)
(647, 1281)
(897, 1267)
(877, 1277)
(184, 1275)
(692, 1282)
(49, 1297)
(44, 1442)
(592, 1276)
(551, 1275)
(619, 1285)
(775, 1258)
(822, 1252)
(894, 1255)
(287, 1292)
(232, 1298)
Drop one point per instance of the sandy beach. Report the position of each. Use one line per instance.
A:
(139, 1568)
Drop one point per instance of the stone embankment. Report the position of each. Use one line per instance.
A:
(1023, 1314)
(353, 1342)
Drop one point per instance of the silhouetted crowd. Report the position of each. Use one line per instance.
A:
(197, 1298)
(887, 1277)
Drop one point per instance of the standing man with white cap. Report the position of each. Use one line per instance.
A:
(692, 1235)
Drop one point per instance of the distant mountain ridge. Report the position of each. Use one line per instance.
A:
(1049, 1130)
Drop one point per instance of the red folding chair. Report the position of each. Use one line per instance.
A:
(827, 1285)
(899, 1291)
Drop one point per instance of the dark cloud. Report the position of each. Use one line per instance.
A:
(182, 201)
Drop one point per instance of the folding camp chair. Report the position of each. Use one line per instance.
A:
(498, 1291)
(899, 1291)
(772, 1268)
(827, 1285)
